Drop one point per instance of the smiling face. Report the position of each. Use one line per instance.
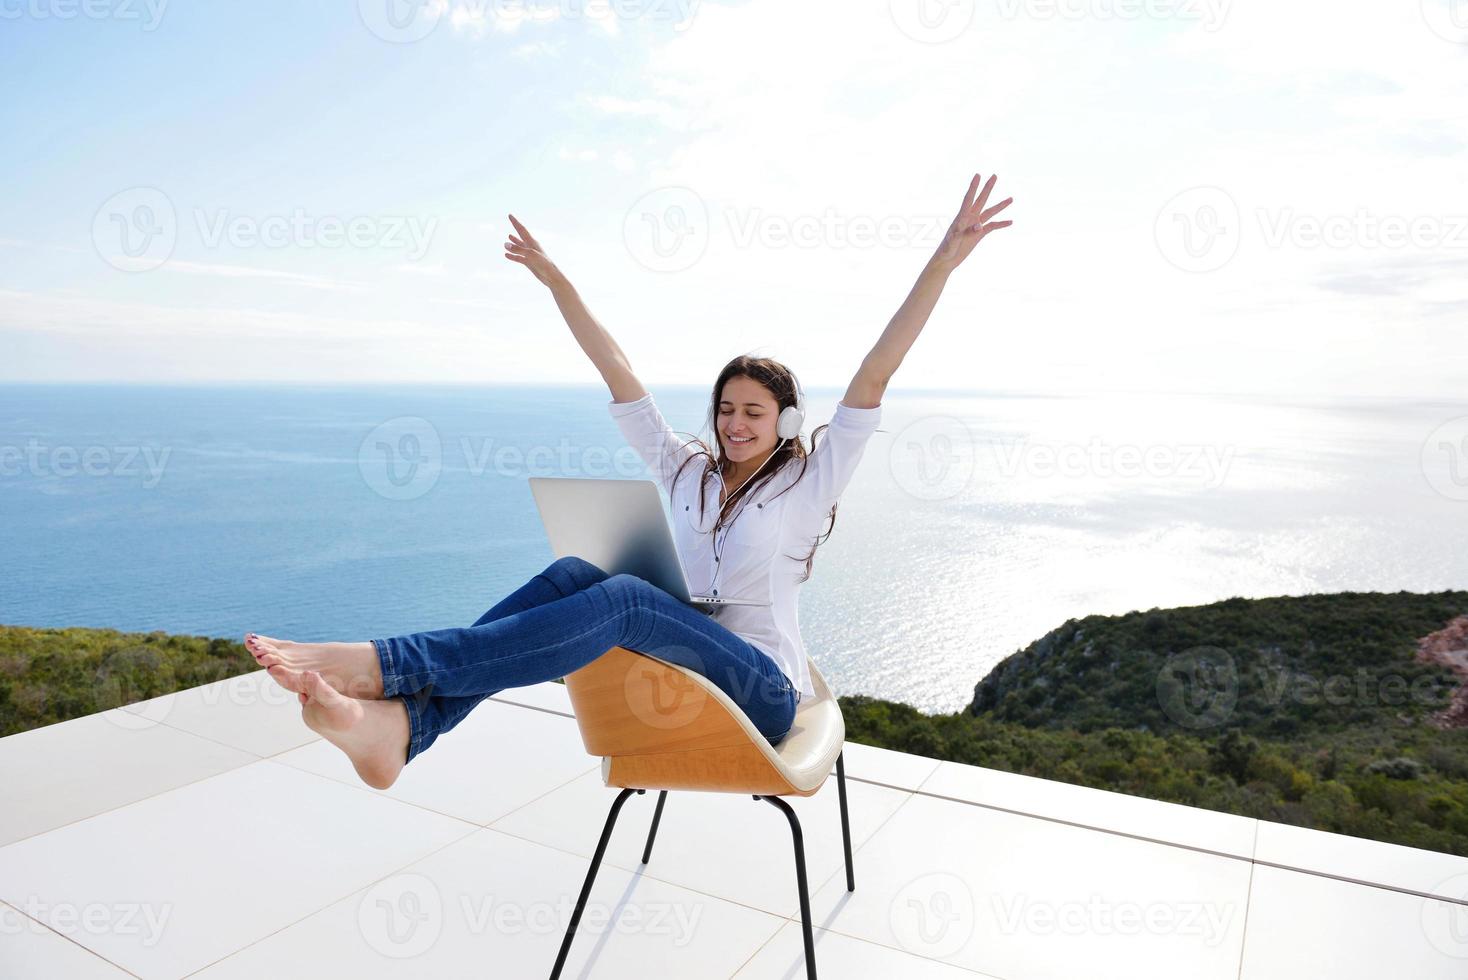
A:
(746, 420)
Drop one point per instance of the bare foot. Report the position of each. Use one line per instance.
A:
(350, 668)
(373, 734)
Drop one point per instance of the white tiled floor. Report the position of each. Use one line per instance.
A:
(210, 834)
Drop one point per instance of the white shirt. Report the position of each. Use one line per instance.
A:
(761, 553)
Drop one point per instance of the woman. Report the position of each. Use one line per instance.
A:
(383, 702)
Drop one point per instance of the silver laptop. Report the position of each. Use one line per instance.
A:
(618, 526)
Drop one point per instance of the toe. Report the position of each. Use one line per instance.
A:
(319, 689)
(288, 679)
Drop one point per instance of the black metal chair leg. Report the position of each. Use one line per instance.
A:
(810, 945)
(652, 833)
(601, 847)
(845, 823)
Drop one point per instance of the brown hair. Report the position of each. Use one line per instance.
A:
(779, 380)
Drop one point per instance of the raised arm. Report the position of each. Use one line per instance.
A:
(591, 335)
(966, 231)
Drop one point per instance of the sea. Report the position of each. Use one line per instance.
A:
(975, 523)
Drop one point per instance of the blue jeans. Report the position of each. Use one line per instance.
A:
(560, 621)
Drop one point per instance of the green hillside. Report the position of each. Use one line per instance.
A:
(1311, 710)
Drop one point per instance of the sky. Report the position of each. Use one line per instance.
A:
(1209, 195)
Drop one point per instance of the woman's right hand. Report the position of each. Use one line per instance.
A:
(525, 250)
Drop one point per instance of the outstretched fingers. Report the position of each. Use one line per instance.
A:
(968, 197)
(984, 218)
(528, 238)
(984, 195)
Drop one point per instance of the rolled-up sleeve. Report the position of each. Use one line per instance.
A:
(650, 436)
(832, 464)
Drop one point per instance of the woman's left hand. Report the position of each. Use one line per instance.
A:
(971, 225)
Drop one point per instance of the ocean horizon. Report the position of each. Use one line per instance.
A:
(976, 522)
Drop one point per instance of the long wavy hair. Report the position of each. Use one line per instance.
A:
(779, 380)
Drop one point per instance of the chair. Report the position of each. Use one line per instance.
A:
(658, 725)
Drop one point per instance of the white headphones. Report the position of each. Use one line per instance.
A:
(787, 427)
